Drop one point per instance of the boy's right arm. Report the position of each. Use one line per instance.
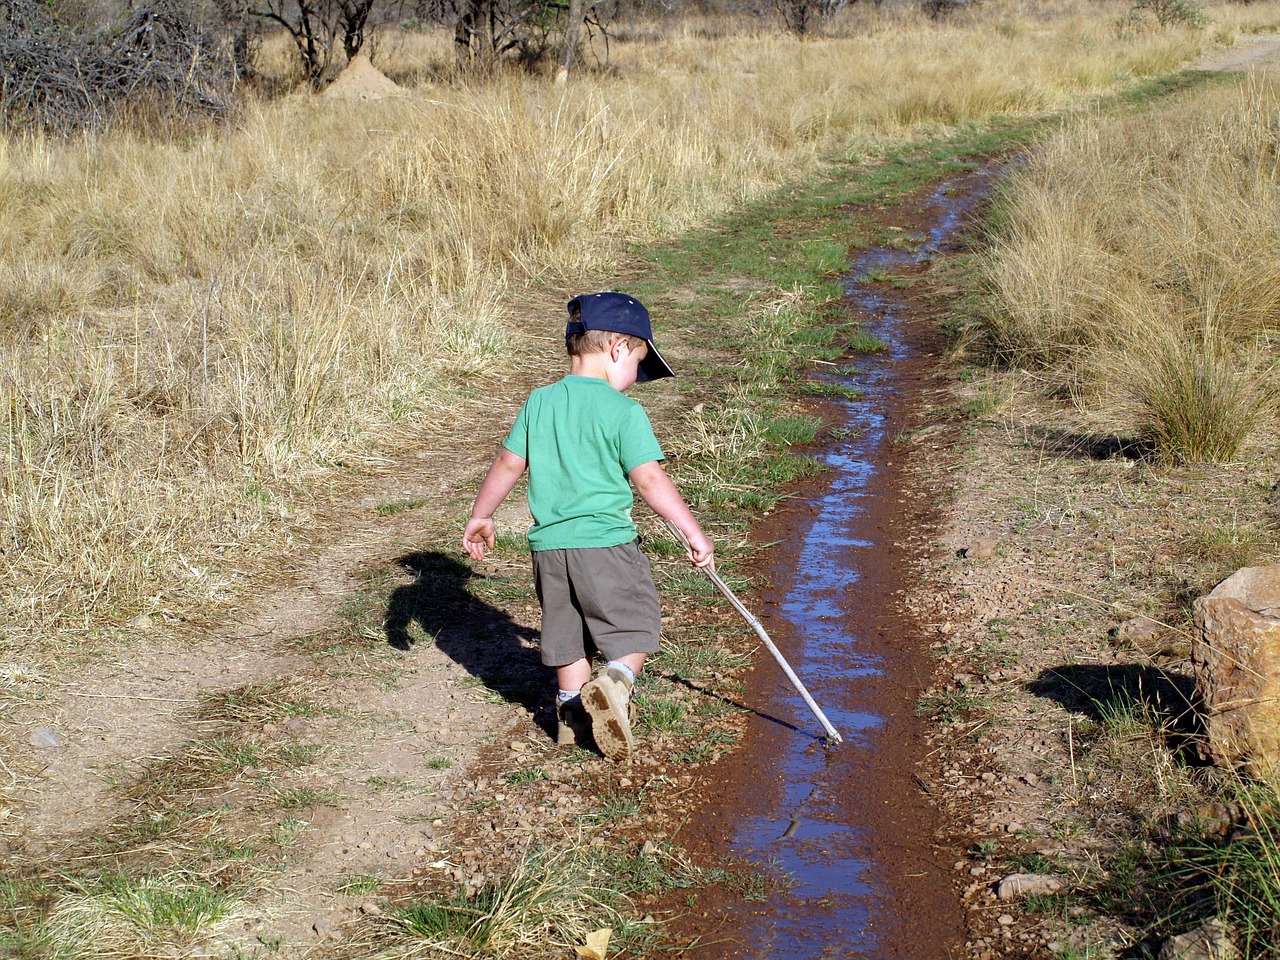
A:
(661, 494)
(503, 474)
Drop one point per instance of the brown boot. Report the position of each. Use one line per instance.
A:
(608, 700)
(573, 725)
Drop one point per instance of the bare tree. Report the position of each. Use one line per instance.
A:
(802, 16)
(313, 33)
(353, 17)
(569, 46)
(530, 31)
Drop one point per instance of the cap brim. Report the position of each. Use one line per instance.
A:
(653, 366)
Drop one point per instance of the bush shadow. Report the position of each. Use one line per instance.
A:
(1100, 691)
(479, 637)
(1093, 446)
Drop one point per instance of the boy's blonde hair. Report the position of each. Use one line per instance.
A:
(597, 341)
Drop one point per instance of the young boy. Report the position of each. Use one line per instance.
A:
(582, 441)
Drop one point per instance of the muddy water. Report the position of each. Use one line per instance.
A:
(846, 822)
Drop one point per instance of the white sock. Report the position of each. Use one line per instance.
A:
(623, 669)
(564, 696)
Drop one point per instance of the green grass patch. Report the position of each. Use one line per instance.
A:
(393, 507)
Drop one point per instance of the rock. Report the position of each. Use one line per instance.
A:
(297, 725)
(1027, 884)
(45, 738)
(370, 909)
(1146, 636)
(1210, 941)
(978, 550)
(1235, 655)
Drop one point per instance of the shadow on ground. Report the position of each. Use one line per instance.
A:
(479, 637)
(1069, 443)
(1100, 692)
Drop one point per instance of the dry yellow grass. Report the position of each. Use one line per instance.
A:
(192, 327)
(1138, 268)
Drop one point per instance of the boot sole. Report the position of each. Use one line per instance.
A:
(610, 724)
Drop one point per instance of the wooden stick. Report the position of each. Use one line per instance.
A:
(764, 637)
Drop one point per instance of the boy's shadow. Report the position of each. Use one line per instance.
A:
(481, 638)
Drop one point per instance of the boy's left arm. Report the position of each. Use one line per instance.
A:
(503, 474)
(661, 494)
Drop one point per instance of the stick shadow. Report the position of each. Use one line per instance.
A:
(479, 637)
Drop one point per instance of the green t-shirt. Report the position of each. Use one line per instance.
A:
(581, 439)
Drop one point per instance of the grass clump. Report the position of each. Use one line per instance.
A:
(120, 915)
(546, 906)
(1230, 876)
(1133, 271)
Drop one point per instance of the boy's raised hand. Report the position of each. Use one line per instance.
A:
(477, 536)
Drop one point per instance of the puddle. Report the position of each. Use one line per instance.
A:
(835, 820)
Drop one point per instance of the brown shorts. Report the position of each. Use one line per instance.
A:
(596, 597)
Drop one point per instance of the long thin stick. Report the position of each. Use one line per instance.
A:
(764, 637)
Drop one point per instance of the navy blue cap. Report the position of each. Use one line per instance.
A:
(618, 313)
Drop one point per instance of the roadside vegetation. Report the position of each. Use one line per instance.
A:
(240, 310)
(1130, 311)
(206, 333)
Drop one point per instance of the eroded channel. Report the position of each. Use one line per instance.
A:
(847, 822)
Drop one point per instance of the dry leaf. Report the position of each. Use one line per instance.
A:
(597, 945)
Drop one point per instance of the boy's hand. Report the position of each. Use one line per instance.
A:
(477, 536)
(701, 552)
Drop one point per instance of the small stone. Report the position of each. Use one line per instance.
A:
(978, 550)
(297, 725)
(1027, 884)
(1006, 919)
(142, 623)
(370, 909)
(1211, 940)
(44, 738)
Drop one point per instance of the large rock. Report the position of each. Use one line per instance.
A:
(1235, 652)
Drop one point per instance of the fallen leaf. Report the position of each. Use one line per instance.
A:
(597, 945)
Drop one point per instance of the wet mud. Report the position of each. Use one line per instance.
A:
(856, 849)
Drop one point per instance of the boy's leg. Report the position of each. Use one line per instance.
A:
(563, 645)
(621, 609)
(573, 725)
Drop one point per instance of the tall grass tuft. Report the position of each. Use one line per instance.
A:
(1198, 398)
(1234, 879)
(1135, 270)
(550, 901)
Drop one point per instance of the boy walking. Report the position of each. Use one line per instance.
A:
(584, 445)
